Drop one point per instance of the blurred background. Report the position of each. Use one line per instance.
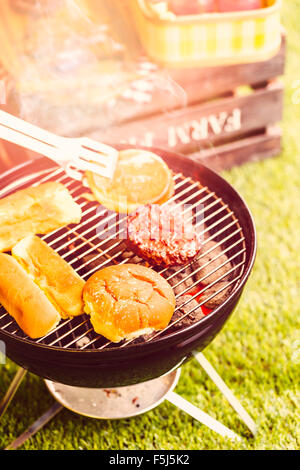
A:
(200, 77)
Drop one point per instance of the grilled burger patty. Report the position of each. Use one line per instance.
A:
(162, 235)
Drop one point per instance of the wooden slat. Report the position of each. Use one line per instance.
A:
(181, 131)
(188, 130)
(175, 88)
(249, 149)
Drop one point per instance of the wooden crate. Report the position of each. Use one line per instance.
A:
(211, 128)
(232, 115)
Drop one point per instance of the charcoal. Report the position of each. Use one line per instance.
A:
(218, 298)
(112, 246)
(181, 277)
(94, 262)
(204, 274)
(190, 318)
(127, 254)
(131, 257)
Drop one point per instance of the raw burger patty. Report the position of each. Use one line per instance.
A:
(162, 236)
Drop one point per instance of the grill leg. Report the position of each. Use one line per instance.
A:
(36, 426)
(234, 402)
(20, 374)
(202, 417)
(171, 397)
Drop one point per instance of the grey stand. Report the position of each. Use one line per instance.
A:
(170, 395)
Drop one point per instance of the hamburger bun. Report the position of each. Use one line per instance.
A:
(36, 210)
(127, 301)
(141, 177)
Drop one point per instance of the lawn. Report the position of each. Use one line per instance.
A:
(258, 351)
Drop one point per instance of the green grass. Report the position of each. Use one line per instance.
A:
(258, 351)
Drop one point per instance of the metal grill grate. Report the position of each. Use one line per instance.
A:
(97, 242)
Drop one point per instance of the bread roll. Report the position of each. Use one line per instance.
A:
(127, 301)
(141, 177)
(24, 300)
(35, 210)
(61, 284)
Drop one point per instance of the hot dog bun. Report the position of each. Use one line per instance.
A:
(24, 300)
(61, 284)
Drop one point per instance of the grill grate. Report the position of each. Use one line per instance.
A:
(97, 242)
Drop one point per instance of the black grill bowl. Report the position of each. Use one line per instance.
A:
(137, 362)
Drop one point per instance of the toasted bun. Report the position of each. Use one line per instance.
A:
(24, 300)
(61, 284)
(36, 210)
(127, 301)
(141, 177)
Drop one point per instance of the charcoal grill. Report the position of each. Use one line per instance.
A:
(73, 354)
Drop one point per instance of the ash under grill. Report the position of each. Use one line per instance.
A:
(98, 241)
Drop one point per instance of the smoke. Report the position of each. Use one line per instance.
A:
(82, 69)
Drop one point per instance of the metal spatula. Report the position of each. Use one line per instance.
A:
(74, 155)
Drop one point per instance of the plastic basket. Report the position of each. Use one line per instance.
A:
(209, 39)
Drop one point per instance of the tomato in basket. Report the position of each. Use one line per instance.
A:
(239, 5)
(192, 7)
